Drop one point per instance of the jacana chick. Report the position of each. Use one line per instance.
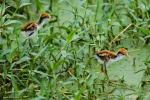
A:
(31, 28)
(107, 57)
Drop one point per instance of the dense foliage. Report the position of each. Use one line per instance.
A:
(58, 63)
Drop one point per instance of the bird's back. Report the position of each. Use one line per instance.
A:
(30, 26)
(106, 55)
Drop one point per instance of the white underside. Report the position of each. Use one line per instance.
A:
(27, 33)
(111, 60)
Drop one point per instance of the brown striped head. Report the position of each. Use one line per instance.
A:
(124, 52)
(44, 17)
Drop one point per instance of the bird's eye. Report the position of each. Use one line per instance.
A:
(121, 53)
(97, 54)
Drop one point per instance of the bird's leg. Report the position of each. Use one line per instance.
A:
(102, 69)
(24, 42)
(30, 43)
(105, 71)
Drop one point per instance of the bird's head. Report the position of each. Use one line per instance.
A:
(123, 51)
(44, 17)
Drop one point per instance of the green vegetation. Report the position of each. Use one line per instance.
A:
(60, 63)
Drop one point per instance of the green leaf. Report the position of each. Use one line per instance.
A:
(23, 60)
(13, 82)
(3, 8)
(50, 37)
(75, 23)
(24, 4)
(4, 72)
(59, 95)
(6, 16)
(58, 64)
(75, 37)
(4, 52)
(39, 5)
(86, 32)
(31, 88)
(116, 24)
(11, 55)
(146, 37)
(24, 50)
(132, 14)
(41, 73)
(39, 98)
(59, 1)
(144, 30)
(64, 28)
(80, 69)
(67, 83)
(22, 91)
(21, 16)
(97, 9)
(68, 1)
(143, 2)
(104, 19)
(20, 61)
(2, 60)
(42, 88)
(12, 22)
(64, 54)
(111, 12)
(81, 3)
(40, 52)
(91, 79)
(88, 12)
(70, 36)
(105, 4)
(78, 94)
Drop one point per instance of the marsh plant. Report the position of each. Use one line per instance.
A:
(59, 63)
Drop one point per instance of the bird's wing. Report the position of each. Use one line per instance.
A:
(106, 55)
(30, 26)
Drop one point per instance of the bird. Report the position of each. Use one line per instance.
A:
(30, 29)
(107, 57)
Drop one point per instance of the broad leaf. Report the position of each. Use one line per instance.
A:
(70, 36)
(12, 22)
(146, 31)
(64, 28)
(58, 64)
(24, 4)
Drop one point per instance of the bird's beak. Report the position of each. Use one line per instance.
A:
(51, 18)
(127, 56)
